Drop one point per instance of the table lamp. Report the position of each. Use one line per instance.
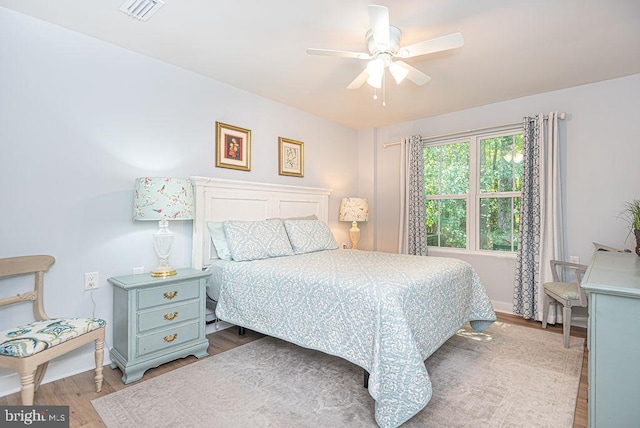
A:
(163, 199)
(354, 210)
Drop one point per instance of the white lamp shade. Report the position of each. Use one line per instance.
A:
(354, 209)
(398, 72)
(375, 68)
(160, 198)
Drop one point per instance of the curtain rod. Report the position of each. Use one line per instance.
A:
(561, 116)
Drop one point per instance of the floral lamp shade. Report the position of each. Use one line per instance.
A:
(163, 199)
(354, 210)
(156, 198)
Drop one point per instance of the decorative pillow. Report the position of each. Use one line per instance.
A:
(253, 240)
(307, 236)
(219, 239)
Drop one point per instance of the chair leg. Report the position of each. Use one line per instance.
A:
(566, 324)
(99, 362)
(545, 310)
(27, 388)
(40, 371)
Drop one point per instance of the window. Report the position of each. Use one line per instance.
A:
(473, 189)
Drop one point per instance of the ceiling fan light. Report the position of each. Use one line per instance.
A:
(375, 69)
(398, 72)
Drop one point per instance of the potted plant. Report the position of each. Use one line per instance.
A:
(632, 214)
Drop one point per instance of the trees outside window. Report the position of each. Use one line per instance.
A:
(473, 189)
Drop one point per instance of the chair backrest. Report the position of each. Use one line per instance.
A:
(23, 265)
(579, 269)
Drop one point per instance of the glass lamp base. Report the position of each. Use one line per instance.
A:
(162, 243)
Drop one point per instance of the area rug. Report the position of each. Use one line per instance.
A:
(508, 376)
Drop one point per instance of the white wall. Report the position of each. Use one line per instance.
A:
(81, 119)
(600, 155)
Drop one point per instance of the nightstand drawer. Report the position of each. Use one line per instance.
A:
(168, 315)
(167, 338)
(168, 294)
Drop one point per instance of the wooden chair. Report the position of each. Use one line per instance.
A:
(568, 294)
(29, 348)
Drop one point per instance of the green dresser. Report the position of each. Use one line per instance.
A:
(157, 320)
(613, 285)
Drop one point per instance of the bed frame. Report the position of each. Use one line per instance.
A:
(218, 200)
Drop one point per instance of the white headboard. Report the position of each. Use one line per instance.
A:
(218, 200)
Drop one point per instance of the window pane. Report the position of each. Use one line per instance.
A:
(447, 223)
(499, 220)
(501, 164)
(446, 169)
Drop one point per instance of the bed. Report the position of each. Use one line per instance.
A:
(383, 312)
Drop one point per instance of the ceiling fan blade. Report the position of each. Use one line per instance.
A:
(343, 54)
(359, 80)
(443, 43)
(415, 75)
(379, 19)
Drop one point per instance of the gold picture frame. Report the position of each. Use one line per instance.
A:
(290, 157)
(233, 147)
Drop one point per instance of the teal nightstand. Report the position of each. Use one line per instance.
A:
(157, 320)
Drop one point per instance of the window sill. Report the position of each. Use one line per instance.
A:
(436, 251)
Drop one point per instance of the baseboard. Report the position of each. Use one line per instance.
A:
(58, 369)
(507, 308)
(217, 326)
(503, 307)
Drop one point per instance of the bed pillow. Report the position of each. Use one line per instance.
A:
(308, 236)
(253, 240)
(219, 239)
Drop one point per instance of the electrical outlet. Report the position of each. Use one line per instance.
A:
(91, 280)
(574, 259)
(137, 270)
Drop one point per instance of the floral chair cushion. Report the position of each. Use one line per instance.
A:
(37, 336)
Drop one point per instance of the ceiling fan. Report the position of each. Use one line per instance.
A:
(383, 43)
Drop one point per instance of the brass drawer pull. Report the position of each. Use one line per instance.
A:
(171, 337)
(170, 317)
(170, 294)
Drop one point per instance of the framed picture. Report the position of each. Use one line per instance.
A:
(290, 157)
(233, 147)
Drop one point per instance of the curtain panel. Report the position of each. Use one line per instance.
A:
(540, 237)
(413, 229)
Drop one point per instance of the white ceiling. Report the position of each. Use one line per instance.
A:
(513, 48)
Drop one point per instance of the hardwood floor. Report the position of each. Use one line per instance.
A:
(77, 391)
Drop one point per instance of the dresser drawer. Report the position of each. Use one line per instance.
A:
(168, 338)
(168, 315)
(168, 294)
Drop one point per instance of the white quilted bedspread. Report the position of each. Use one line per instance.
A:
(384, 312)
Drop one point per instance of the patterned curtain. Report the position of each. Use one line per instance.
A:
(541, 231)
(413, 229)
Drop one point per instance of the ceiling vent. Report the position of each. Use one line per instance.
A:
(141, 9)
